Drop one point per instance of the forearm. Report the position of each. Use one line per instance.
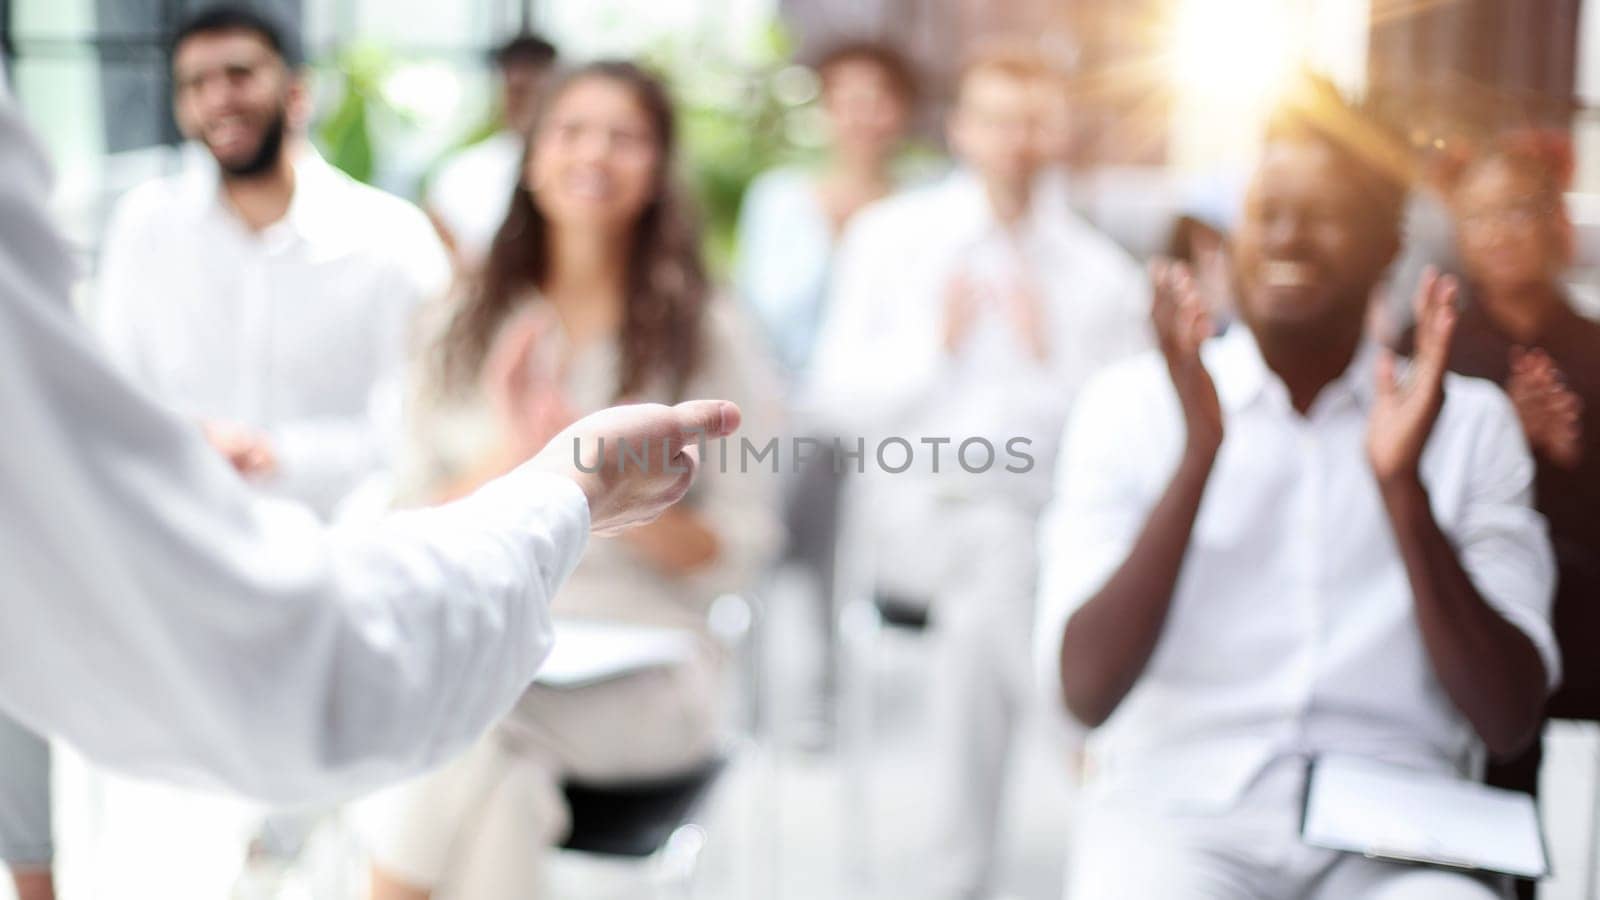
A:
(1490, 669)
(1110, 639)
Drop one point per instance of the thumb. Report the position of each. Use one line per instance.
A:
(707, 418)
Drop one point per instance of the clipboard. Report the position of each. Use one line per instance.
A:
(589, 652)
(1383, 811)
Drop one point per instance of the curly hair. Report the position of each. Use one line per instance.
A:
(666, 284)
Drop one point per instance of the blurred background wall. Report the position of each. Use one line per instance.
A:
(1173, 83)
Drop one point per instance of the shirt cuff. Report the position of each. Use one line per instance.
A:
(546, 503)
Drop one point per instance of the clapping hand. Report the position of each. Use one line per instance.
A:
(1182, 324)
(1551, 414)
(1405, 409)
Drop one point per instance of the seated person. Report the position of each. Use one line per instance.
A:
(593, 293)
(1518, 328)
(1269, 546)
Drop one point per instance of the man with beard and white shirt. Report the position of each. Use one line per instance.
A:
(970, 310)
(260, 292)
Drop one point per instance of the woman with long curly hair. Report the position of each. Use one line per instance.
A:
(593, 293)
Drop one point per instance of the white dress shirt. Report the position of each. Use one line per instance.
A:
(785, 253)
(881, 366)
(1292, 629)
(299, 331)
(881, 370)
(472, 191)
(167, 621)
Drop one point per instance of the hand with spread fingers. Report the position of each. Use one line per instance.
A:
(1182, 324)
(622, 492)
(1550, 412)
(525, 389)
(1405, 409)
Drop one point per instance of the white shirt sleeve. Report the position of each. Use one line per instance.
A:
(166, 621)
(1502, 540)
(1098, 508)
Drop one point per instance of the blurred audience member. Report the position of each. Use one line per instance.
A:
(963, 313)
(468, 196)
(1518, 329)
(593, 293)
(262, 291)
(792, 217)
(788, 231)
(1267, 546)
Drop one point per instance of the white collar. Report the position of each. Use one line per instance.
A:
(1242, 375)
(308, 207)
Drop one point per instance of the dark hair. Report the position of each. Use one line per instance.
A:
(666, 286)
(231, 17)
(1186, 232)
(1380, 164)
(525, 48)
(900, 72)
(1545, 155)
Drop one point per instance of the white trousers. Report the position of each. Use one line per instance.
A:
(1125, 849)
(982, 687)
(478, 828)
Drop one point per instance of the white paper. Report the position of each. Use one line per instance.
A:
(1385, 811)
(587, 652)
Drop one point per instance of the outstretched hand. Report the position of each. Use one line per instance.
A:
(1405, 409)
(622, 492)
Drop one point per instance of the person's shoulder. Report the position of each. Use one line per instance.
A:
(376, 205)
(153, 201)
(466, 164)
(900, 215)
(390, 222)
(1132, 380)
(781, 181)
(1475, 406)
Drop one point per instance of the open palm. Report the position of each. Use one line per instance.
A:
(1405, 409)
(1182, 324)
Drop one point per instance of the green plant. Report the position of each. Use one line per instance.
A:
(738, 117)
(345, 135)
